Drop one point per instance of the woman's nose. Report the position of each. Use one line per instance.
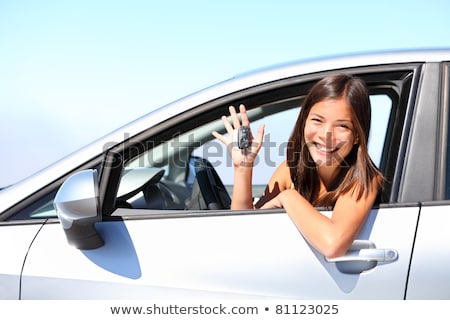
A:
(326, 134)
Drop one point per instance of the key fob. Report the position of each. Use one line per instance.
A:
(243, 139)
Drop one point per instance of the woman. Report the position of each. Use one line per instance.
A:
(327, 165)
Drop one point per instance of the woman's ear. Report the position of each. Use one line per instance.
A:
(356, 141)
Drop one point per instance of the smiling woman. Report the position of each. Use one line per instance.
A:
(327, 164)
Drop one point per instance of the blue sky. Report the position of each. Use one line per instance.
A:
(72, 71)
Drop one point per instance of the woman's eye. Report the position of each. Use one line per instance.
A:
(345, 126)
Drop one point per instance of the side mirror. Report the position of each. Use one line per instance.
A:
(77, 206)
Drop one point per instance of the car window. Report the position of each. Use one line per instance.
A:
(164, 176)
(41, 209)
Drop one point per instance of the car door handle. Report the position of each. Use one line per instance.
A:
(361, 256)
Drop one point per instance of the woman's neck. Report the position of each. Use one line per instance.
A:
(327, 177)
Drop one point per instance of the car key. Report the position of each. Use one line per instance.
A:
(243, 138)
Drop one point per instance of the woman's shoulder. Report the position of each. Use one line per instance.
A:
(283, 176)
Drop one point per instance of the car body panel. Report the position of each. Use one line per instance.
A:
(240, 255)
(428, 279)
(14, 244)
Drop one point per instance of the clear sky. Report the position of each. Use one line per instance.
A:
(72, 71)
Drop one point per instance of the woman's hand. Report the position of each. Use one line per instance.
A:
(274, 203)
(240, 157)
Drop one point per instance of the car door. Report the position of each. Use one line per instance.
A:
(15, 240)
(155, 253)
(429, 277)
(231, 255)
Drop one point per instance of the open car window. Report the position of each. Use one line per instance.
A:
(165, 177)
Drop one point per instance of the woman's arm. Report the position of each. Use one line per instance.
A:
(330, 236)
(243, 160)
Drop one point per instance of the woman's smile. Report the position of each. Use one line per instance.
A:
(323, 149)
(329, 132)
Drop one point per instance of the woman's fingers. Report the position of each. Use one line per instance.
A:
(260, 134)
(234, 117)
(227, 124)
(219, 137)
(236, 124)
(244, 117)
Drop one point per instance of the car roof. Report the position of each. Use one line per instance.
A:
(11, 195)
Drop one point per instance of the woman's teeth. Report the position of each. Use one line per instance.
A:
(325, 149)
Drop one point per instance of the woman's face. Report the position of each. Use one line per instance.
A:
(329, 133)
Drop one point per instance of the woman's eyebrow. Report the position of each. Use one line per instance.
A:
(322, 117)
(344, 120)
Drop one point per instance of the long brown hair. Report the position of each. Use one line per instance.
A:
(357, 169)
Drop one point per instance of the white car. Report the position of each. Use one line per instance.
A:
(144, 212)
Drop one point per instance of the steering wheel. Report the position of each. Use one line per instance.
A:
(208, 191)
(135, 180)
